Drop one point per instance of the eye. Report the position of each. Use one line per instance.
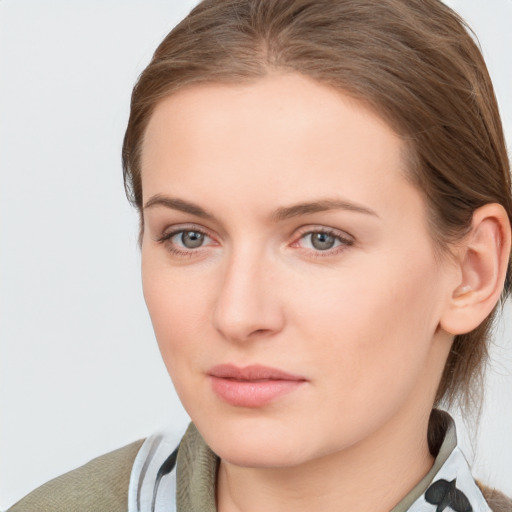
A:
(321, 241)
(184, 242)
(188, 239)
(324, 240)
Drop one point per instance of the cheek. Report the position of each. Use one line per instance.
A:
(375, 319)
(177, 305)
(179, 314)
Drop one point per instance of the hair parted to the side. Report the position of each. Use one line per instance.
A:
(413, 62)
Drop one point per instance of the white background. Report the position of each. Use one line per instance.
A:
(80, 373)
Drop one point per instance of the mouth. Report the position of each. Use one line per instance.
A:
(252, 386)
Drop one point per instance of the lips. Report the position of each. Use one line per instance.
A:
(252, 386)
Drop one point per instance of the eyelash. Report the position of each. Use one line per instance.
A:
(188, 253)
(344, 241)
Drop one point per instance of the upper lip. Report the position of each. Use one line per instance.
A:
(253, 372)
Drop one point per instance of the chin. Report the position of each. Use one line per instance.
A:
(260, 454)
(257, 442)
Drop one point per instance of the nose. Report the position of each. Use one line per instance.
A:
(247, 305)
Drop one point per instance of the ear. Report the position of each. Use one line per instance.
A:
(482, 261)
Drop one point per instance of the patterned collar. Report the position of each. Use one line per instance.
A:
(165, 479)
(449, 484)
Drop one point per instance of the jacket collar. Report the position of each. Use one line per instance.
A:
(189, 485)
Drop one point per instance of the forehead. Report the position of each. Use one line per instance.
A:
(291, 98)
(280, 136)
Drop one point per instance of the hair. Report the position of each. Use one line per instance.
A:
(413, 62)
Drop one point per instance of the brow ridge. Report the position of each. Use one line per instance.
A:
(280, 214)
(178, 204)
(322, 205)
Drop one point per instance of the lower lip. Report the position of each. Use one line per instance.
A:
(252, 393)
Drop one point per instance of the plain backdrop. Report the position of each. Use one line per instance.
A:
(80, 373)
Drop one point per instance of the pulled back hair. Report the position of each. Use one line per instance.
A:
(413, 62)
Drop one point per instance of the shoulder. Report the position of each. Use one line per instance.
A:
(101, 484)
(497, 501)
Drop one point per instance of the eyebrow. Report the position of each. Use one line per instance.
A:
(178, 204)
(282, 213)
(323, 205)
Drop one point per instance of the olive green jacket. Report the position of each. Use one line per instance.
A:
(101, 485)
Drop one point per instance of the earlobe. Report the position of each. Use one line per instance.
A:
(482, 264)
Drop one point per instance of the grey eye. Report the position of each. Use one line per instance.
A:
(322, 241)
(191, 239)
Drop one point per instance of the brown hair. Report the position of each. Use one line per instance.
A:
(412, 61)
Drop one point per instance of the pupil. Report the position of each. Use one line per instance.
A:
(322, 241)
(192, 239)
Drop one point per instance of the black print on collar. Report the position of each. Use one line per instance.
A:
(445, 494)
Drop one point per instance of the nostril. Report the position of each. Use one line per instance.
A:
(259, 332)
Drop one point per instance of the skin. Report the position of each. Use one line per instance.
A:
(360, 322)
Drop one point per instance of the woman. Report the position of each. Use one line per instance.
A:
(325, 205)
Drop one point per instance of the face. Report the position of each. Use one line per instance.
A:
(288, 270)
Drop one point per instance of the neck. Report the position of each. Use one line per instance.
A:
(371, 476)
